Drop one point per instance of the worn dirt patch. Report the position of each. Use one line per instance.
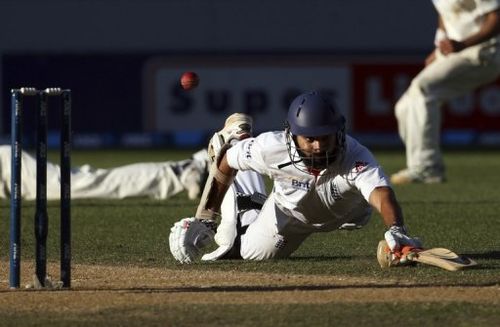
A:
(96, 288)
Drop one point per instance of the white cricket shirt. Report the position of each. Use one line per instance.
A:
(462, 18)
(317, 201)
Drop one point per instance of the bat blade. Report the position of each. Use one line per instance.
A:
(440, 257)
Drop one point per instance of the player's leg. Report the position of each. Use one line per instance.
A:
(158, 180)
(403, 117)
(155, 180)
(414, 114)
(233, 212)
(236, 215)
(272, 234)
(193, 173)
(401, 112)
(419, 116)
(419, 122)
(28, 174)
(358, 218)
(5, 172)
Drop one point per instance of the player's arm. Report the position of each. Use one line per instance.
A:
(221, 176)
(190, 235)
(384, 201)
(441, 24)
(490, 28)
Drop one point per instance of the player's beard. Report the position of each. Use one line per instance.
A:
(315, 163)
(318, 161)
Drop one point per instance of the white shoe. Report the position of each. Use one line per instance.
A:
(406, 177)
(237, 127)
(201, 158)
(191, 178)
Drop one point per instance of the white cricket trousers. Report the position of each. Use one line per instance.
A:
(418, 110)
(275, 235)
(245, 182)
(154, 180)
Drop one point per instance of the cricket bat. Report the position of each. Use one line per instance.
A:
(439, 257)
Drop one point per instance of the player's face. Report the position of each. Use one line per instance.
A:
(316, 146)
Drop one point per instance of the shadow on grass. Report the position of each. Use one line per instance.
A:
(107, 204)
(491, 255)
(495, 255)
(488, 255)
(317, 258)
(459, 202)
(238, 288)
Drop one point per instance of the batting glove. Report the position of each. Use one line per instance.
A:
(188, 236)
(397, 237)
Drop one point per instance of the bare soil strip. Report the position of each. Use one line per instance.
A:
(104, 287)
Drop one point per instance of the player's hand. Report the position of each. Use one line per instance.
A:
(447, 46)
(189, 236)
(430, 58)
(397, 237)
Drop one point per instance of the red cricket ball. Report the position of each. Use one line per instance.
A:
(189, 80)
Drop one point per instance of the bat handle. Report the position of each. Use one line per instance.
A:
(410, 252)
(409, 249)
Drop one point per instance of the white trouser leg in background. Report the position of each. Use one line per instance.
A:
(155, 180)
(28, 174)
(418, 111)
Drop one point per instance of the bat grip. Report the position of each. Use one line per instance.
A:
(407, 249)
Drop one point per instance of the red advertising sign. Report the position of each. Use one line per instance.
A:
(377, 88)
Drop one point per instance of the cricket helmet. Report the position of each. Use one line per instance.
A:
(312, 115)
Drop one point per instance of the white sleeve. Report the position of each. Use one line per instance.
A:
(370, 179)
(247, 155)
(487, 6)
(364, 171)
(440, 35)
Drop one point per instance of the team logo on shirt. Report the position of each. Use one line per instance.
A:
(281, 243)
(248, 152)
(300, 185)
(464, 5)
(359, 166)
(334, 190)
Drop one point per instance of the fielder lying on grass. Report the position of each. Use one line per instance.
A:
(158, 180)
(323, 180)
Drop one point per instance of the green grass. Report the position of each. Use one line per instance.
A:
(462, 214)
(275, 315)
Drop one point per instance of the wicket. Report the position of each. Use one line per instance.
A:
(41, 216)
